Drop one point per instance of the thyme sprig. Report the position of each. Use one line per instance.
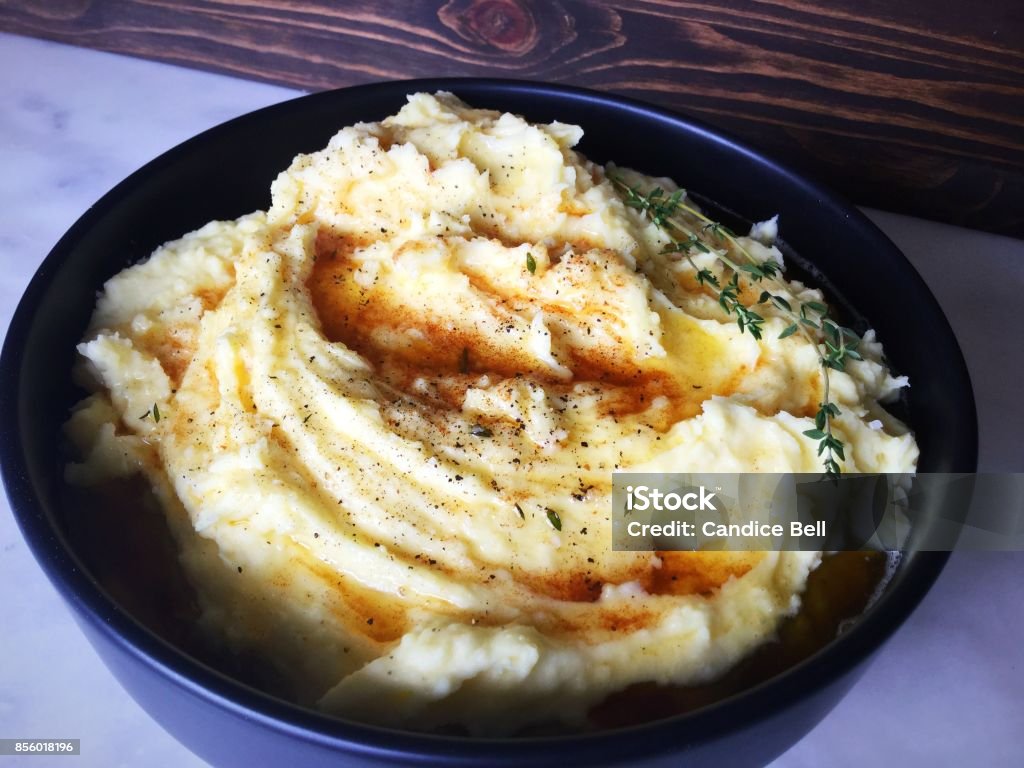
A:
(833, 343)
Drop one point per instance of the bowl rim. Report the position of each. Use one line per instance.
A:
(90, 601)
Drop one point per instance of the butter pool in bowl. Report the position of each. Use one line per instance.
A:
(380, 415)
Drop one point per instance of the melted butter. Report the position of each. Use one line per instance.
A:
(376, 324)
(837, 591)
(701, 573)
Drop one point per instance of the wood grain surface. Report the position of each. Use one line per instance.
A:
(914, 106)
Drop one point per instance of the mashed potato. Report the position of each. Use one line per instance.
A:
(383, 416)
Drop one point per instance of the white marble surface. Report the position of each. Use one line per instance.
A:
(947, 690)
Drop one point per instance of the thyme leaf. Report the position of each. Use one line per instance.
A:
(553, 518)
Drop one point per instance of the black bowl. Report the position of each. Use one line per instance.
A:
(226, 172)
